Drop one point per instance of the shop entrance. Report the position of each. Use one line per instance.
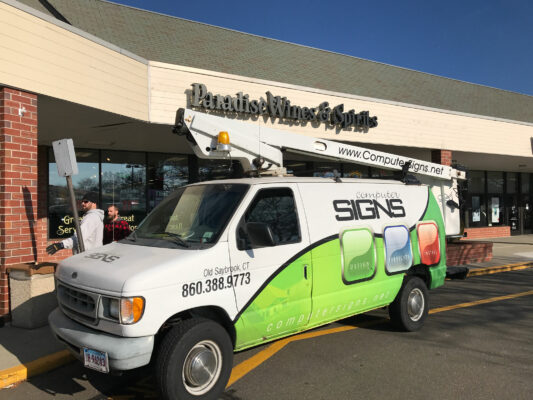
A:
(499, 199)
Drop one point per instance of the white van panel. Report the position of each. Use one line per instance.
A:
(332, 207)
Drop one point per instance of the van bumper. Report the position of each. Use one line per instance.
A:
(124, 353)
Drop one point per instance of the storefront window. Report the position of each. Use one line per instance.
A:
(525, 202)
(495, 192)
(209, 170)
(381, 173)
(512, 217)
(298, 168)
(326, 169)
(495, 182)
(512, 182)
(476, 208)
(166, 172)
(355, 171)
(124, 184)
(476, 181)
(60, 216)
(525, 179)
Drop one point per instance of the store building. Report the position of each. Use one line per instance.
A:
(111, 78)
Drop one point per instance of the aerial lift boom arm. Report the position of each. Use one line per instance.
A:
(260, 149)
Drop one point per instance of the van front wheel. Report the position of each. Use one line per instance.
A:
(194, 361)
(410, 308)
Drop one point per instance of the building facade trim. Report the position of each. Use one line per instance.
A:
(246, 79)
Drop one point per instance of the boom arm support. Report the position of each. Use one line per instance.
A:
(252, 141)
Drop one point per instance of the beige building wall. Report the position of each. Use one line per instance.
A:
(399, 124)
(51, 59)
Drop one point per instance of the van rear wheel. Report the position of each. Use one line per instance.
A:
(194, 361)
(410, 308)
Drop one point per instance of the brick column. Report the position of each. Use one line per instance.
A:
(18, 184)
(443, 157)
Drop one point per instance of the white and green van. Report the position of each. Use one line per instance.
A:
(221, 266)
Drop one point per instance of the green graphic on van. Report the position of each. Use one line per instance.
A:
(314, 289)
(358, 255)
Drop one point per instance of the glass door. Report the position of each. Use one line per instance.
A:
(525, 203)
(512, 214)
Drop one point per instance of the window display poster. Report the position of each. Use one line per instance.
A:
(495, 205)
(476, 211)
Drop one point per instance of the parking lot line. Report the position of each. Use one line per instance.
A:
(253, 362)
(248, 365)
(483, 301)
(499, 268)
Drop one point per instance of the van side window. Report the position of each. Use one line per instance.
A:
(277, 209)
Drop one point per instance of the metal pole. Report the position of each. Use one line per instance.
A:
(81, 247)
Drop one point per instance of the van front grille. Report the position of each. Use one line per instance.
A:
(78, 304)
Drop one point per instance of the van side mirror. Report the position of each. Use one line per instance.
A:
(260, 234)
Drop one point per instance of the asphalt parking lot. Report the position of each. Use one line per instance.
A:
(476, 344)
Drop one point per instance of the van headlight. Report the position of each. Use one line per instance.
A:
(127, 310)
(114, 308)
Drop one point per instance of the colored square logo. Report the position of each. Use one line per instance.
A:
(398, 252)
(428, 242)
(358, 255)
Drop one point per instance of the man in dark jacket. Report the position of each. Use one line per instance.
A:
(115, 227)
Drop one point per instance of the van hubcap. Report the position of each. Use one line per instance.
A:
(202, 367)
(415, 304)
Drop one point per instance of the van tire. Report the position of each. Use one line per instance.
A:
(410, 308)
(193, 342)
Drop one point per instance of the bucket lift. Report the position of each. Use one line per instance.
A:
(260, 151)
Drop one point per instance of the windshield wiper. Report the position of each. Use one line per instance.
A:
(177, 239)
(132, 236)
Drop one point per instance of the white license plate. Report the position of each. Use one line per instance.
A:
(96, 360)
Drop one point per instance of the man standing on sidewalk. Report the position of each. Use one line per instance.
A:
(91, 226)
(115, 228)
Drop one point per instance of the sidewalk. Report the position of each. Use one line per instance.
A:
(507, 250)
(28, 352)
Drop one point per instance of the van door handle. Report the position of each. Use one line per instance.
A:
(305, 271)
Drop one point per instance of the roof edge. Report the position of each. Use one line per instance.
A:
(54, 21)
(317, 49)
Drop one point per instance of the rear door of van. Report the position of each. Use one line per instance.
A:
(273, 291)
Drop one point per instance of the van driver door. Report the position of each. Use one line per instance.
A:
(272, 284)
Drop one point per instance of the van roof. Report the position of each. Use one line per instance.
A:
(291, 179)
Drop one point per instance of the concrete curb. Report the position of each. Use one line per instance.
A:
(14, 375)
(499, 268)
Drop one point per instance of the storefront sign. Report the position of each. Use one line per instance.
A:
(63, 227)
(280, 107)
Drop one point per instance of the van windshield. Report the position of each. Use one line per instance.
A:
(191, 217)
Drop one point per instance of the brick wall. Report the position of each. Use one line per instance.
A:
(443, 157)
(487, 232)
(462, 252)
(18, 184)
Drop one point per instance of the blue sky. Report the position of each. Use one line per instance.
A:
(485, 42)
